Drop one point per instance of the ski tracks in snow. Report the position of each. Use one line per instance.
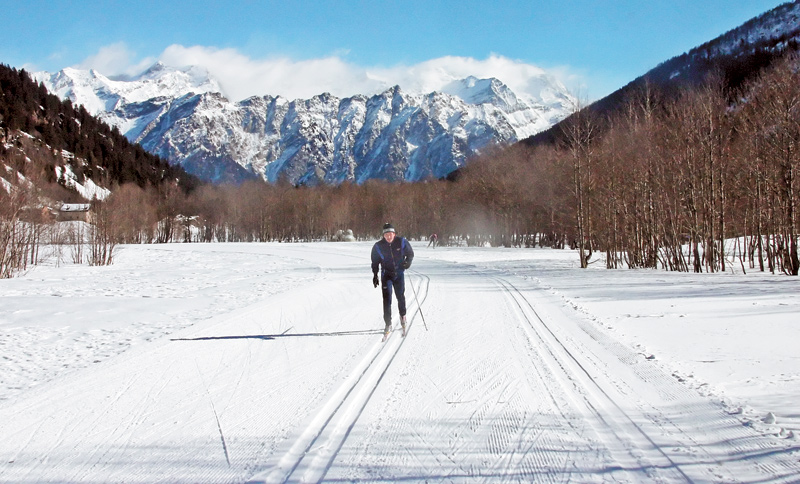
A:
(627, 444)
(511, 385)
(310, 456)
(648, 421)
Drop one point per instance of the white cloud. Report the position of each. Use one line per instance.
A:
(432, 75)
(242, 77)
(115, 59)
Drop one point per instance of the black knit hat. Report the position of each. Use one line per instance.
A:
(387, 227)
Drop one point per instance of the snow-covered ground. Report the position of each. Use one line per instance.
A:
(263, 363)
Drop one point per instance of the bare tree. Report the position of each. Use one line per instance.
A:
(777, 97)
(13, 232)
(580, 137)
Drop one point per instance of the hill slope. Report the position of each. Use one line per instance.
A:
(738, 55)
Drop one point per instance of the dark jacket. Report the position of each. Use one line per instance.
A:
(393, 259)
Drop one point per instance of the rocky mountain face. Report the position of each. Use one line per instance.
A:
(182, 116)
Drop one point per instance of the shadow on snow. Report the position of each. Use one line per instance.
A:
(285, 334)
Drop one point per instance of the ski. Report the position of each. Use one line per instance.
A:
(389, 330)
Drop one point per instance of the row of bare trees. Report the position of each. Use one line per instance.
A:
(28, 237)
(671, 183)
(30, 232)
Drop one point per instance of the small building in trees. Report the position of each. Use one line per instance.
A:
(74, 211)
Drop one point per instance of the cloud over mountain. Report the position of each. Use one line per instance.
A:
(241, 76)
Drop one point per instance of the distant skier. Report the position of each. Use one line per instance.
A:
(434, 240)
(394, 255)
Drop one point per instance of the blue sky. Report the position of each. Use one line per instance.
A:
(593, 47)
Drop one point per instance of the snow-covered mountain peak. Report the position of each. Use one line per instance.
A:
(188, 79)
(86, 87)
(155, 71)
(71, 76)
(99, 94)
(482, 91)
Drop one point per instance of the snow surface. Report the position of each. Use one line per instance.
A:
(89, 190)
(263, 363)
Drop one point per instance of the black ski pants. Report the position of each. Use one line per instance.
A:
(397, 282)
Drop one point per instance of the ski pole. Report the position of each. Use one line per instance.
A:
(419, 307)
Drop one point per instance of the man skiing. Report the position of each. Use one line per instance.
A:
(394, 255)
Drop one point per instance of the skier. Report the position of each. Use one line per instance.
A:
(434, 240)
(394, 255)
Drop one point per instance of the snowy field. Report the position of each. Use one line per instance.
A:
(263, 363)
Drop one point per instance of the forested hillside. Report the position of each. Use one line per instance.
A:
(97, 151)
(735, 58)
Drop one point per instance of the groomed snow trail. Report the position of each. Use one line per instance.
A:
(500, 382)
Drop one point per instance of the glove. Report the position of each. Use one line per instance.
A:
(375, 280)
(406, 264)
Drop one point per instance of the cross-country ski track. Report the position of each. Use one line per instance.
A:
(498, 380)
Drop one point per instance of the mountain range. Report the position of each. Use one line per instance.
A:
(183, 116)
